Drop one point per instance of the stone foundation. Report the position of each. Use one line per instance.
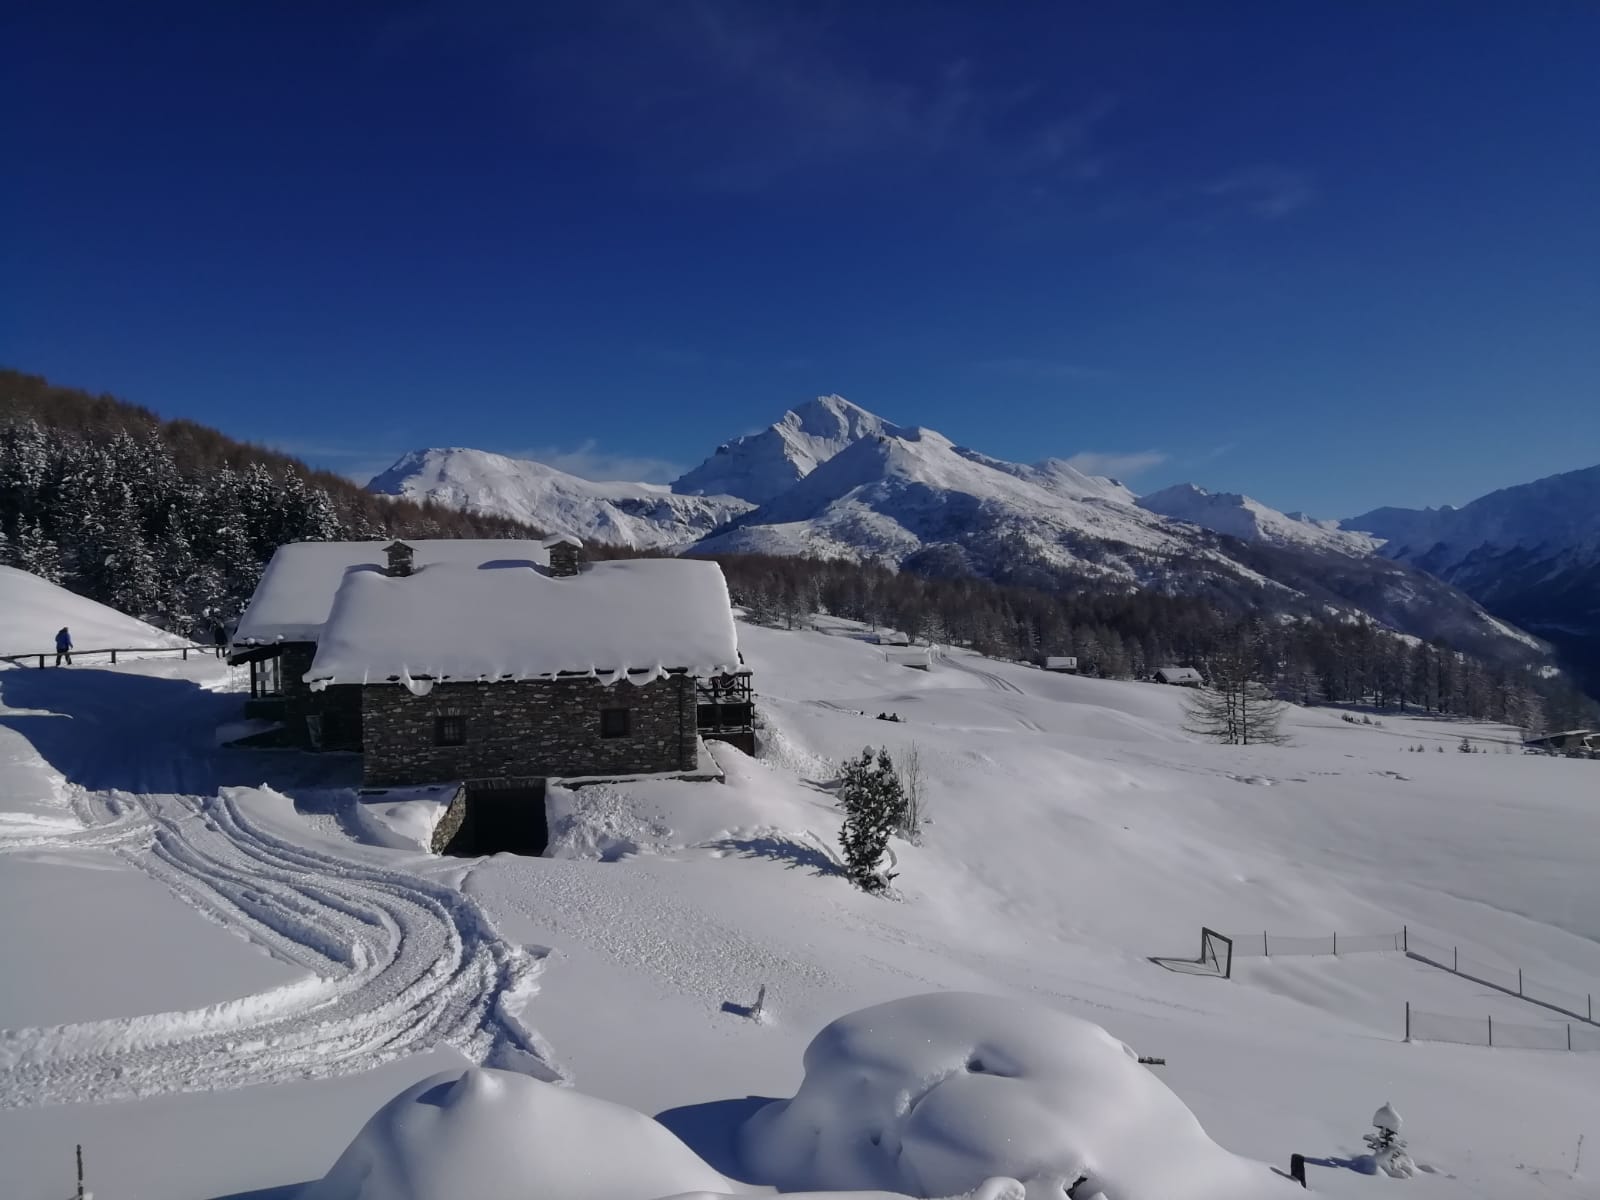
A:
(529, 730)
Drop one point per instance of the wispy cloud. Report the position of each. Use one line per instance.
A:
(739, 97)
(588, 461)
(1048, 369)
(1264, 191)
(1119, 466)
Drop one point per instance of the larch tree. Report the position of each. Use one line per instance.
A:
(1235, 706)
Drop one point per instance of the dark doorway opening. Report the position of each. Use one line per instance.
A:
(501, 817)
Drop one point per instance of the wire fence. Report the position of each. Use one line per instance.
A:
(1486, 1031)
(1278, 945)
(1511, 980)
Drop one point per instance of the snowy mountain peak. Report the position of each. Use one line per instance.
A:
(1239, 516)
(759, 466)
(639, 515)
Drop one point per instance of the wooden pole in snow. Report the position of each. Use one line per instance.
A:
(80, 1171)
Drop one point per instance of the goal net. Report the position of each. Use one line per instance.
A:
(1216, 952)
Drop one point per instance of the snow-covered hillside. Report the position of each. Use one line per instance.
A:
(639, 515)
(1250, 520)
(32, 609)
(172, 931)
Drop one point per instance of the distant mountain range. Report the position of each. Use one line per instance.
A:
(830, 478)
(1529, 553)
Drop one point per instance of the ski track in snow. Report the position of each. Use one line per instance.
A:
(993, 681)
(395, 965)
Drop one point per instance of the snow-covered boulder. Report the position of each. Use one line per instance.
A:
(495, 1135)
(933, 1094)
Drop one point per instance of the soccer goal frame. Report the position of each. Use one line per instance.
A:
(1217, 949)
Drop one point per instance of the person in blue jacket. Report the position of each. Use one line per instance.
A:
(63, 646)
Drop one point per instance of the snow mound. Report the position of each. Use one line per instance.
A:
(32, 609)
(495, 1135)
(933, 1094)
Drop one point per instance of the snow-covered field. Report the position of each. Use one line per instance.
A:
(213, 985)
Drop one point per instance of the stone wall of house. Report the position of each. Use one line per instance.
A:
(338, 709)
(532, 729)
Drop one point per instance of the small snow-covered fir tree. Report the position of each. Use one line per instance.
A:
(874, 807)
(1388, 1147)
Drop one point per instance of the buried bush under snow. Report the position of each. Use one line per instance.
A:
(933, 1094)
(950, 1095)
(495, 1135)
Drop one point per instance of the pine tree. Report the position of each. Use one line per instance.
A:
(874, 807)
(36, 553)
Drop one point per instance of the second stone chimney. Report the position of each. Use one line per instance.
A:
(400, 560)
(566, 556)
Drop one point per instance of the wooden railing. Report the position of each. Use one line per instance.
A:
(21, 659)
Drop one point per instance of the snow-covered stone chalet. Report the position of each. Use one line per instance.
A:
(494, 662)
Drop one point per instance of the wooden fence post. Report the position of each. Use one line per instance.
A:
(1569, 1035)
(1405, 938)
(113, 658)
(1265, 952)
(1491, 1029)
(1519, 981)
(1455, 959)
(1336, 943)
(1408, 1020)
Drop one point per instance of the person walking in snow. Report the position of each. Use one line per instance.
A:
(63, 646)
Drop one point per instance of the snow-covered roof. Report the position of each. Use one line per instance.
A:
(631, 619)
(1178, 674)
(296, 591)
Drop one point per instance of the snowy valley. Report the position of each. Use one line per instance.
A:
(222, 963)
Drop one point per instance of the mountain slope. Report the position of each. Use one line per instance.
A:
(760, 466)
(641, 516)
(1529, 553)
(831, 479)
(918, 501)
(1250, 520)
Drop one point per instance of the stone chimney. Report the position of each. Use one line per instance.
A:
(400, 560)
(566, 556)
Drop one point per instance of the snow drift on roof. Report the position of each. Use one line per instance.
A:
(296, 591)
(450, 621)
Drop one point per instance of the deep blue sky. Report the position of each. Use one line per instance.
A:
(1332, 254)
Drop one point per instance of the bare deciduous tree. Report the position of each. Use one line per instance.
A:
(912, 786)
(1236, 707)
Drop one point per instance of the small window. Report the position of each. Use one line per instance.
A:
(450, 731)
(614, 722)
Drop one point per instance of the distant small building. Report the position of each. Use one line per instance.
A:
(890, 638)
(918, 658)
(1569, 741)
(1060, 662)
(1179, 676)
